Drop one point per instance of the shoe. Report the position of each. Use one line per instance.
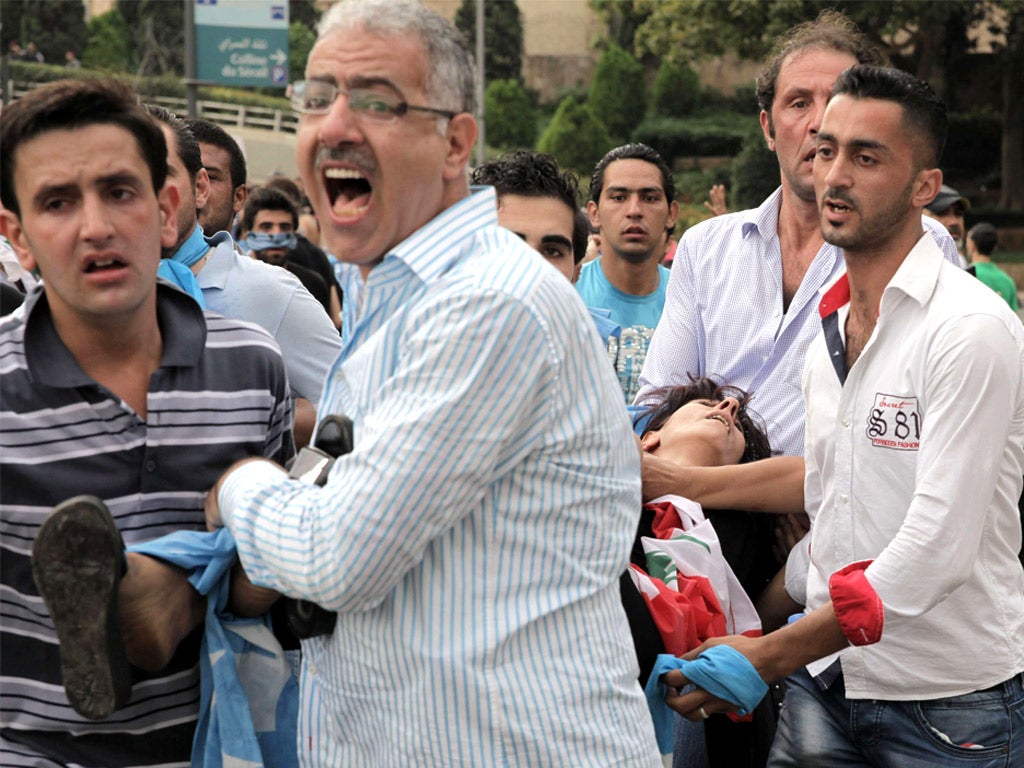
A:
(77, 563)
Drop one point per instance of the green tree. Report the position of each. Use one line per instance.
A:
(300, 43)
(109, 43)
(755, 172)
(157, 29)
(510, 118)
(503, 37)
(575, 137)
(304, 12)
(617, 94)
(622, 18)
(676, 91)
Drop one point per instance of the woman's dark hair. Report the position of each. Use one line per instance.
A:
(667, 400)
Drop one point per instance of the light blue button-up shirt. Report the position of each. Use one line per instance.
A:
(473, 540)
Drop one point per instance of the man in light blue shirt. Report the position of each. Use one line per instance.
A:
(472, 541)
(632, 204)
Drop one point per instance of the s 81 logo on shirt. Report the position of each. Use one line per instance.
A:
(894, 422)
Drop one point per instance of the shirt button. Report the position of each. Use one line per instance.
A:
(312, 668)
(846, 423)
(150, 466)
(843, 497)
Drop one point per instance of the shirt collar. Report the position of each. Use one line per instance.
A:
(764, 218)
(215, 271)
(182, 328)
(918, 275)
(431, 250)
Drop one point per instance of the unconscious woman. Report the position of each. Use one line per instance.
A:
(703, 446)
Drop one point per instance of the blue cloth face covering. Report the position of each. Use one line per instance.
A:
(260, 241)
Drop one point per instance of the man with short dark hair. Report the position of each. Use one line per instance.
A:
(117, 386)
(226, 170)
(632, 204)
(982, 240)
(268, 227)
(914, 637)
(538, 201)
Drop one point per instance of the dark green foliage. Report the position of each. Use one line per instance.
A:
(575, 137)
(511, 120)
(503, 37)
(973, 143)
(676, 91)
(303, 12)
(702, 136)
(300, 43)
(755, 173)
(109, 44)
(617, 94)
(55, 27)
(741, 100)
(622, 18)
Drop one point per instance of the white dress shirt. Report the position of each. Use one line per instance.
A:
(915, 463)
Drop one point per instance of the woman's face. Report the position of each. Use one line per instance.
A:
(700, 433)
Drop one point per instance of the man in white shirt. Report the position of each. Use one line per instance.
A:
(914, 637)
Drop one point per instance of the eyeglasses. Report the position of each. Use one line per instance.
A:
(315, 97)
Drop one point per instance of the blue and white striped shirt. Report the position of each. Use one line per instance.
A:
(472, 542)
(724, 315)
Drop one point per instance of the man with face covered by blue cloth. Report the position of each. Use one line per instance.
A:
(270, 221)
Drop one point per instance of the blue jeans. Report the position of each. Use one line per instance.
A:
(824, 728)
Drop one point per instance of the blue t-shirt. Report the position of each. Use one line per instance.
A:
(636, 315)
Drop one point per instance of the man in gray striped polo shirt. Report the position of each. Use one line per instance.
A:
(116, 386)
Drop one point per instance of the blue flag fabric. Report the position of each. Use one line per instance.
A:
(248, 710)
(721, 670)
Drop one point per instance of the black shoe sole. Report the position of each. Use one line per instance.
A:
(77, 562)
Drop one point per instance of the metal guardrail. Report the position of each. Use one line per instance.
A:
(222, 113)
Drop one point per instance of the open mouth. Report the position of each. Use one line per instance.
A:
(103, 265)
(716, 417)
(837, 207)
(348, 191)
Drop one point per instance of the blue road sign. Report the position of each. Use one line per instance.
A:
(242, 42)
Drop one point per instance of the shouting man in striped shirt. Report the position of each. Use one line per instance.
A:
(472, 541)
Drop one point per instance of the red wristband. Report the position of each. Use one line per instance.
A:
(858, 607)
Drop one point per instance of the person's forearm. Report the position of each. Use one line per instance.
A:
(786, 650)
(247, 599)
(771, 485)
